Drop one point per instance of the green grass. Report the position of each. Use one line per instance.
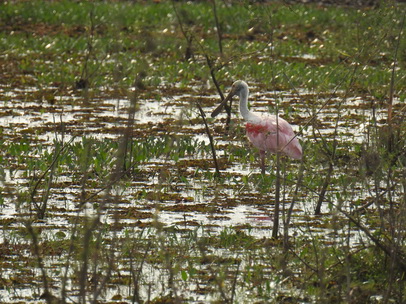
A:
(50, 41)
(51, 45)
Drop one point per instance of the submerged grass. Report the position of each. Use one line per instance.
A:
(87, 219)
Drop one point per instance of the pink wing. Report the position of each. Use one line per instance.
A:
(264, 136)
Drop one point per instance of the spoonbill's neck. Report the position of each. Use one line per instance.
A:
(245, 113)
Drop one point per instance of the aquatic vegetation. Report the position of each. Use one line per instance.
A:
(109, 190)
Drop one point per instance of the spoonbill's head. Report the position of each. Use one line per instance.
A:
(237, 88)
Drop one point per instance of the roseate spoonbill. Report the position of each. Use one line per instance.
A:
(268, 133)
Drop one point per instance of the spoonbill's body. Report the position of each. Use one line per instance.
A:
(268, 133)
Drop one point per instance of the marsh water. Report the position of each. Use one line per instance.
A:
(178, 191)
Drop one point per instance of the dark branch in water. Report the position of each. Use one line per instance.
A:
(213, 149)
(213, 77)
(41, 208)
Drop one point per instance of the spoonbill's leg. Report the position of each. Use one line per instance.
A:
(262, 164)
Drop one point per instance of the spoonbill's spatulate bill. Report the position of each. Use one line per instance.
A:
(268, 133)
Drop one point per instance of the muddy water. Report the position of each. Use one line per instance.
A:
(175, 191)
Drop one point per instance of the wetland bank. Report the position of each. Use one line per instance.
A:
(109, 188)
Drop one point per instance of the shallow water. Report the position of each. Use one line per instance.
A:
(176, 192)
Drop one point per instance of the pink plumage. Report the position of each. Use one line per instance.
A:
(270, 133)
(263, 135)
